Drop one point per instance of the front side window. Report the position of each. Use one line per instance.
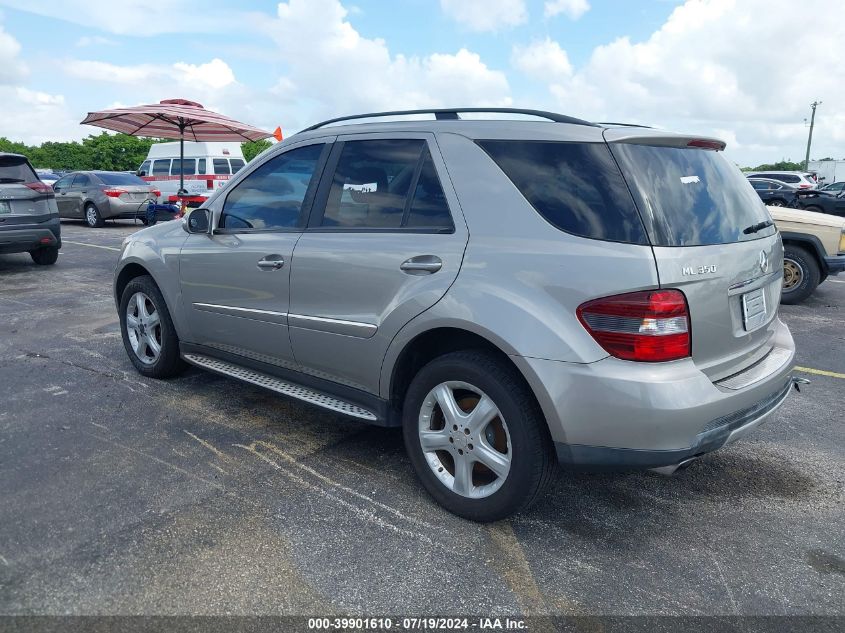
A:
(577, 187)
(63, 183)
(161, 167)
(386, 184)
(145, 168)
(221, 166)
(273, 195)
(760, 186)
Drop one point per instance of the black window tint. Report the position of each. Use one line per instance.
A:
(237, 164)
(371, 183)
(201, 166)
(576, 187)
(145, 167)
(81, 180)
(118, 178)
(760, 186)
(429, 208)
(691, 197)
(189, 167)
(272, 196)
(789, 178)
(161, 167)
(221, 166)
(16, 169)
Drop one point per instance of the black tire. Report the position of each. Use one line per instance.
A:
(169, 363)
(822, 278)
(808, 269)
(814, 209)
(46, 256)
(533, 461)
(92, 216)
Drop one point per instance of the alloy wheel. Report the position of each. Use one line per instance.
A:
(143, 326)
(465, 439)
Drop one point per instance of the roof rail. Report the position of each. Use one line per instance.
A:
(451, 114)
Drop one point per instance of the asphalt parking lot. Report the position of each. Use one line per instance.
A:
(124, 495)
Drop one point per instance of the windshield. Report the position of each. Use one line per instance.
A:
(691, 197)
(121, 179)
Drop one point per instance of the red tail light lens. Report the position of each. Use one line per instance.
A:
(650, 326)
(40, 187)
(209, 184)
(706, 144)
(114, 193)
(804, 185)
(156, 193)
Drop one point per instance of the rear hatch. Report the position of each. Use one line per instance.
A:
(24, 199)
(125, 187)
(711, 240)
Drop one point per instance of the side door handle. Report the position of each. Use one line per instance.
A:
(271, 262)
(421, 265)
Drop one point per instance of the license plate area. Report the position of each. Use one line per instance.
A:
(754, 309)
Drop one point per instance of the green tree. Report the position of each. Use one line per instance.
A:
(251, 149)
(110, 152)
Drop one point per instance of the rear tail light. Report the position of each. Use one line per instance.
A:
(649, 326)
(156, 193)
(40, 187)
(804, 185)
(114, 193)
(706, 144)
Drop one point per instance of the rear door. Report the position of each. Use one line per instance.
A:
(385, 241)
(710, 240)
(235, 281)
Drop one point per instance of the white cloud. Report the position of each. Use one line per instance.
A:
(573, 9)
(486, 15)
(344, 72)
(717, 65)
(94, 40)
(137, 18)
(180, 76)
(12, 69)
(544, 60)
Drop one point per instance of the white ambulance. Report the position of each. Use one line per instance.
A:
(206, 167)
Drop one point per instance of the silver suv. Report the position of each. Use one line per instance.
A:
(512, 293)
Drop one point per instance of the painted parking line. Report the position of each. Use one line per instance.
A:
(837, 281)
(820, 372)
(108, 248)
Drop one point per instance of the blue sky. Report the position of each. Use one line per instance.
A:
(737, 69)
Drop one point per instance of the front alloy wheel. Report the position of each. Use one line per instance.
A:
(465, 439)
(143, 326)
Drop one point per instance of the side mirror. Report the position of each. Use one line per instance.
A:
(197, 221)
(140, 173)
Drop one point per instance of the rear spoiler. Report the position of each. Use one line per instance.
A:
(661, 138)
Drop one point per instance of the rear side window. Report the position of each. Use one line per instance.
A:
(16, 169)
(201, 166)
(576, 187)
(789, 178)
(273, 196)
(386, 184)
(221, 166)
(189, 167)
(690, 196)
(237, 164)
(81, 180)
(161, 167)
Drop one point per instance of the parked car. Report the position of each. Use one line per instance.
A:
(820, 202)
(47, 177)
(798, 179)
(511, 293)
(97, 196)
(814, 247)
(29, 219)
(773, 192)
(834, 187)
(206, 167)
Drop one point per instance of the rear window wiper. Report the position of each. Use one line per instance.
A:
(754, 228)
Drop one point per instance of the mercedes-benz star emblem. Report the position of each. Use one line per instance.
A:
(764, 261)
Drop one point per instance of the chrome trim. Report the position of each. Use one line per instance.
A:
(332, 326)
(280, 318)
(759, 281)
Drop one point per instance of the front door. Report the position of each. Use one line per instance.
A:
(384, 243)
(235, 280)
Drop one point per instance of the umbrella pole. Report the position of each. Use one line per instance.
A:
(181, 159)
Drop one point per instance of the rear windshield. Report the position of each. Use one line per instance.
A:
(16, 169)
(576, 187)
(691, 197)
(121, 179)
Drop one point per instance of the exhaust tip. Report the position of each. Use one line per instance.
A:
(673, 468)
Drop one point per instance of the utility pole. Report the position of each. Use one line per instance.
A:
(813, 105)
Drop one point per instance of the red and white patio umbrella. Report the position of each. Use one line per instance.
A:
(175, 118)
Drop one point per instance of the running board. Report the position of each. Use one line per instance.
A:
(283, 387)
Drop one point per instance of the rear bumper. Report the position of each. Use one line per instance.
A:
(625, 414)
(835, 265)
(20, 238)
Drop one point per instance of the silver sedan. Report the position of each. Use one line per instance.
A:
(97, 196)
